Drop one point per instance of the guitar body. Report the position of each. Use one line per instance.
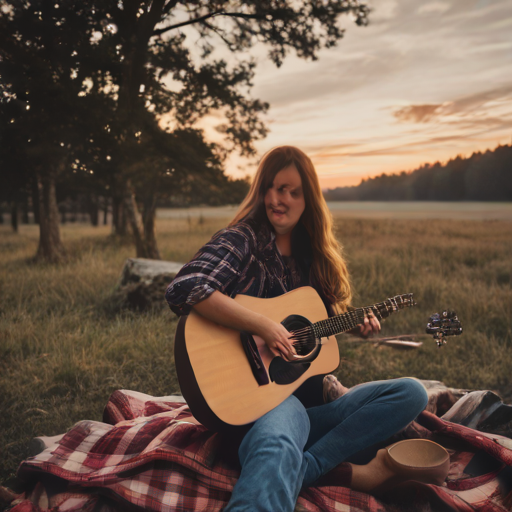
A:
(215, 372)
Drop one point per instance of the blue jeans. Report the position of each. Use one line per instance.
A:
(290, 446)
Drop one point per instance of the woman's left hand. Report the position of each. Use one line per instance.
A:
(370, 327)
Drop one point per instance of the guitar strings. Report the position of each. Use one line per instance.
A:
(304, 336)
(354, 317)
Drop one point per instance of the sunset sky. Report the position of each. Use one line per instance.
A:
(425, 81)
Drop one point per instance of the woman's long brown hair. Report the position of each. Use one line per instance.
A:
(328, 269)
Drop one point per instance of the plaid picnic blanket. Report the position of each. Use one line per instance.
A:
(151, 454)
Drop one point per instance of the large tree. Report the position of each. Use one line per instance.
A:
(54, 116)
(152, 60)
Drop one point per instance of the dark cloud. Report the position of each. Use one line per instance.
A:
(477, 100)
(471, 110)
(418, 113)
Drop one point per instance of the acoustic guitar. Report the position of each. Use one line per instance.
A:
(231, 378)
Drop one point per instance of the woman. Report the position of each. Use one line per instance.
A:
(282, 238)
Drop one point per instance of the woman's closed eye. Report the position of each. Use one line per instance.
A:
(284, 189)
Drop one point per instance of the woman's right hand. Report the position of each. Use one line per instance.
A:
(278, 339)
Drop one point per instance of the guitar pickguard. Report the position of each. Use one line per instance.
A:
(254, 358)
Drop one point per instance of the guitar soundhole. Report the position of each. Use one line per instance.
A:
(286, 372)
(305, 341)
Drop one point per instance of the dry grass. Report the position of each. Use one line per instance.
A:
(460, 265)
(64, 348)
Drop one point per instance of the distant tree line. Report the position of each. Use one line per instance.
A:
(78, 204)
(481, 177)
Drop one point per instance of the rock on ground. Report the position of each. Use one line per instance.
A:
(144, 281)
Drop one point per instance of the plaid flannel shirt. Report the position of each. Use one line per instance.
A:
(241, 259)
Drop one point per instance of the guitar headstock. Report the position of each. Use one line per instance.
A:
(444, 324)
(396, 303)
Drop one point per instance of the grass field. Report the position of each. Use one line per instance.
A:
(64, 347)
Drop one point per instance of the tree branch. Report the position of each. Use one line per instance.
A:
(205, 17)
(214, 29)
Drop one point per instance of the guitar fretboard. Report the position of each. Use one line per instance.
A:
(338, 324)
(351, 319)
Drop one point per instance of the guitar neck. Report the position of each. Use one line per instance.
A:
(351, 319)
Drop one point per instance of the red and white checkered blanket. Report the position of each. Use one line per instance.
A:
(151, 454)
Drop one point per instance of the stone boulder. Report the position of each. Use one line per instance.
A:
(144, 281)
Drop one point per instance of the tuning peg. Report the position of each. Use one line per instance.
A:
(444, 324)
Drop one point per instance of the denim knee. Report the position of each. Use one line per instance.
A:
(284, 447)
(283, 430)
(414, 394)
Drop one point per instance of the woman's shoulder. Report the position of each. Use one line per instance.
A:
(239, 238)
(240, 230)
(243, 238)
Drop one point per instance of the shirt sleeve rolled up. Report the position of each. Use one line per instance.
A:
(216, 266)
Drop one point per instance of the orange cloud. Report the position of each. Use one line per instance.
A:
(418, 113)
(474, 105)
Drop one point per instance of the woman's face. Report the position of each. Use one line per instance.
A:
(284, 200)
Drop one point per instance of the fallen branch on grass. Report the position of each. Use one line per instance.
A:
(404, 342)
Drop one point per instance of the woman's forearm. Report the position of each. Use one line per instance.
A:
(225, 311)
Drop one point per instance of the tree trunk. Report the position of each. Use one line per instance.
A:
(93, 209)
(35, 200)
(133, 73)
(116, 205)
(118, 216)
(148, 219)
(105, 210)
(133, 217)
(14, 216)
(24, 211)
(74, 210)
(50, 246)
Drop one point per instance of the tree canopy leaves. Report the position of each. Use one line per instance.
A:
(106, 95)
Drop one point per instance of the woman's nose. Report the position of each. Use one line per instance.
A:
(274, 197)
